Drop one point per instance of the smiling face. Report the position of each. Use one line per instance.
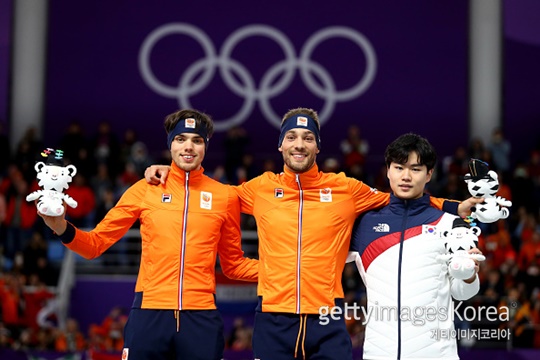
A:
(299, 150)
(408, 180)
(187, 151)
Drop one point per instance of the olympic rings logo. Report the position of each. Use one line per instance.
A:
(268, 87)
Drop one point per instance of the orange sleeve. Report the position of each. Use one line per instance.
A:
(367, 198)
(231, 257)
(246, 192)
(436, 202)
(112, 228)
(449, 206)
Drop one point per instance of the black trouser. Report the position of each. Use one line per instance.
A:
(284, 336)
(174, 335)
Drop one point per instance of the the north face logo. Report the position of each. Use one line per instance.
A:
(382, 228)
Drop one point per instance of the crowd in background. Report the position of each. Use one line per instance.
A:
(109, 163)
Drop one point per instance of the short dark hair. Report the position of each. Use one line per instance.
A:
(398, 151)
(201, 119)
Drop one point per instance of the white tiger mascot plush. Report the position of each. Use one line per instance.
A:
(460, 240)
(484, 183)
(53, 177)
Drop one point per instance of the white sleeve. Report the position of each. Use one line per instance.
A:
(352, 256)
(460, 290)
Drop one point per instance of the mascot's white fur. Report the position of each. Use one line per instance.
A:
(460, 240)
(53, 178)
(484, 183)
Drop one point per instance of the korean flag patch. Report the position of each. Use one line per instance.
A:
(429, 230)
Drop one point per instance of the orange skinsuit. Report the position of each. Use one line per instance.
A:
(179, 242)
(304, 224)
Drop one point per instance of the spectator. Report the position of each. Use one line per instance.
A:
(500, 150)
(44, 340)
(35, 298)
(106, 202)
(115, 315)
(477, 149)
(235, 144)
(522, 187)
(127, 178)
(5, 148)
(526, 227)
(530, 251)
(454, 187)
(114, 339)
(238, 323)
(11, 303)
(492, 287)
(76, 149)
(130, 138)
(354, 149)
(6, 340)
(497, 245)
(100, 183)
(243, 339)
(533, 167)
(140, 158)
(247, 169)
(331, 165)
(106, 148)
(82, 215)
(27, 149)
(458, 163)
(20, 219)
(505, 190)
(3, 214)
(71, 339)
(35, 249)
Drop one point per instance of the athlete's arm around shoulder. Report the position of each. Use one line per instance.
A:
(365, 197)
(112, 228)
(157, 174)
(368, 198)
(247, 192)
(232, 260)
(356, 239)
